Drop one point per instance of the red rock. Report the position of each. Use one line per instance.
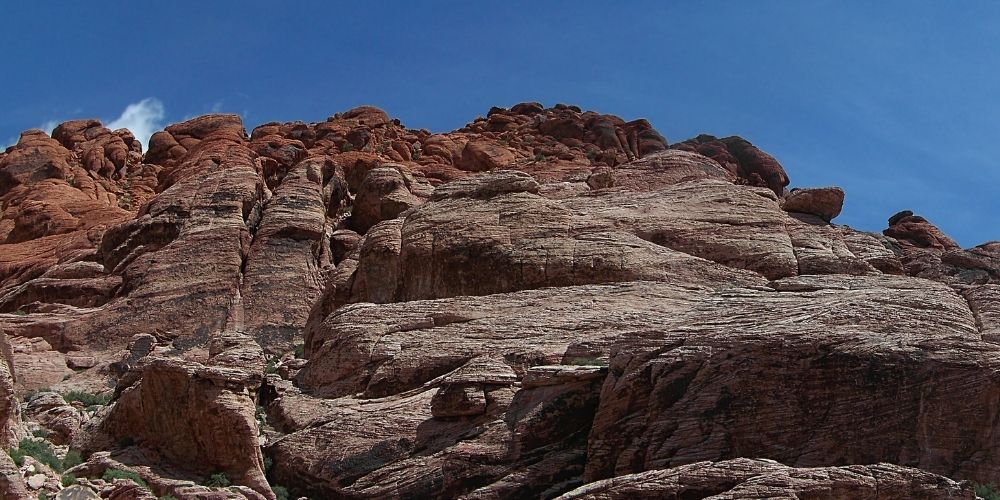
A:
(383, 195)
(824, 203)
(914, 231)
(385, 312)
(478, 156)
(751, 165)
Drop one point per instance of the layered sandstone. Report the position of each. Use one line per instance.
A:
(545, 302)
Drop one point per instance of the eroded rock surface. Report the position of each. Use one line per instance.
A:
(545, 301)
(748, 478)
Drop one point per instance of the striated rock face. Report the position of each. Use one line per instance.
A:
(199, 417)
(748, 478)
(10, 410)
(871, 360)
(544, 302)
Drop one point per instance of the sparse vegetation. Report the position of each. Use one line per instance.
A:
(125, 201)
(218, 480)
(987, 492)
(347, 146)
(40, 433)
(280, 492)
(300, 350)
(72, 459)
(539, 157)
(415, 155)
(271, 368)
(20, 313)
(68, 480)
(588, 362)
(87, 398)
(42, 451)
(39, 450)
(111, 474)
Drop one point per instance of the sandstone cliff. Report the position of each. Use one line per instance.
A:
(546, 302)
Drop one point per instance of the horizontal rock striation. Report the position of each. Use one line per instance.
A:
(544, 302)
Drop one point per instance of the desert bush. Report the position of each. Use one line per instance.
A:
(111, 474)
(39, 450)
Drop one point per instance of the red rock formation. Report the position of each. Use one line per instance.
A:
(543, 298)
(751, 165)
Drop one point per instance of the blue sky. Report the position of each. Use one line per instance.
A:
(895, 101)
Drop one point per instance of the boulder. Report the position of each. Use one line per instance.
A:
(824, 203)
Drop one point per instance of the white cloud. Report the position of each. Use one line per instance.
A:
(49, 126)
(142, 118)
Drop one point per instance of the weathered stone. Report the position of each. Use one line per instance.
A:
(750, 478)
(824, 203)
(199, 417)
(869, 360)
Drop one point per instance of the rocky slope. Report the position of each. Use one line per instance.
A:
(546, 302)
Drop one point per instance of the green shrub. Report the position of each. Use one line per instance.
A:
(987, 491)
(539, 157)
(347, 146)
(111, 474)
(271, 368)
(39, 450)
(217, 480)
(280, 492)
(588, 362)
(40, 433)
(87, 398)
(72, 459)
(20, 313)
(300, 350)
(68, 480)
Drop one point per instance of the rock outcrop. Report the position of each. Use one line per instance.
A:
(544, 302)
(747, 478)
